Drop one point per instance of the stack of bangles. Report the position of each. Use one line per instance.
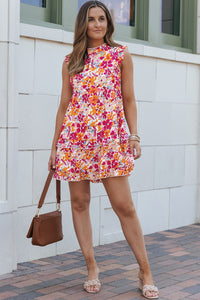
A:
(134, 137)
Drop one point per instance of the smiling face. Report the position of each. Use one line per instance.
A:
(97, 26)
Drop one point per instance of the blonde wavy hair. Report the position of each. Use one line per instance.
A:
(80, 44)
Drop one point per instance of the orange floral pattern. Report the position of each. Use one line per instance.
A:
(93, 142)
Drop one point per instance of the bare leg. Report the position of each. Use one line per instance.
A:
(118, 191)
(80, 201)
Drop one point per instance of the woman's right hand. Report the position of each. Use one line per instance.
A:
(52, 160)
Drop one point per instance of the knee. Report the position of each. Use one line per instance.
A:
(80, 202)
(125, 209)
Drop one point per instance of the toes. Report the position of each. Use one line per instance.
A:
(96, 287)
(151, 294)
(92, 288)
(89, 288)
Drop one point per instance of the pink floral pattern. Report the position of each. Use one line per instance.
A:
(93, 142)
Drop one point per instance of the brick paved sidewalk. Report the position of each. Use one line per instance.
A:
(174, 257)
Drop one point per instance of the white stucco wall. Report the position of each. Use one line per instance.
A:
(165, 182)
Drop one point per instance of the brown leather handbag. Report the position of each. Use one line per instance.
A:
(46, 228)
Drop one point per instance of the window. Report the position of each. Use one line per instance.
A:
(122, 11)
(162, 23)
(129, 16)
(40, 3)
(41, 11)
(172, 23)
(170, 19)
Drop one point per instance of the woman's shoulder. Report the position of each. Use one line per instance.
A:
(122, 47)
(120, 51)
(67, 58)
(119, 47)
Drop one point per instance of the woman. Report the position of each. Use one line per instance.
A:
(91, 142)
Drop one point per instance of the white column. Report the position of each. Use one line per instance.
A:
(198, 51)
(9, 39)
(198, 26)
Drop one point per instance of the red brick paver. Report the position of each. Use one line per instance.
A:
(174, 256)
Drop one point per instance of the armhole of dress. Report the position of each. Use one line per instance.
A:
(121, 53)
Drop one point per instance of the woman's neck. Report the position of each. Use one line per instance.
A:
(93, 44)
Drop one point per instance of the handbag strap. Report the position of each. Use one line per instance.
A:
(45, 189)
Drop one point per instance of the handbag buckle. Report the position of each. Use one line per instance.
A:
(37, 212)
(58, 206)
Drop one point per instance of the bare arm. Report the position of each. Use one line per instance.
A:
(66, 94)
(129, 102)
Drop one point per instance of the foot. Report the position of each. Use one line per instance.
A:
(146, 279)
(92, 284)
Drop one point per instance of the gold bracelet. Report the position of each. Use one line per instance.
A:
(134, 134)
(134, 137)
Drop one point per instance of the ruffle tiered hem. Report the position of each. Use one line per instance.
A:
(75, 164)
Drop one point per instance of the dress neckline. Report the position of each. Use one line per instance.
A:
(97, 49)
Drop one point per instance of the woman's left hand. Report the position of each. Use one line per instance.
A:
(135, 145)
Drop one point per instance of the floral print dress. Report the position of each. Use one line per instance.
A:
(93, 142)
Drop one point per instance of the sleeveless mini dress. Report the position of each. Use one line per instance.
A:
(93, 142)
